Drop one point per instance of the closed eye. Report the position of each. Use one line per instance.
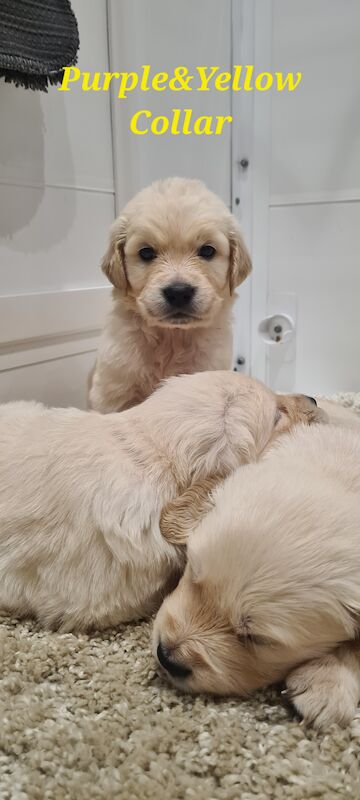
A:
(207, 251)
(252, 640)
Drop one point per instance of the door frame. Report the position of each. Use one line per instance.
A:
(251, 44)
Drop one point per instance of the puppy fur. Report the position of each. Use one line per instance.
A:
(272, 585)
(81, 493)
(146, 339)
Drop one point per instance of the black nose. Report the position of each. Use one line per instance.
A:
(174, 669)
(312, 399)
(179, 294)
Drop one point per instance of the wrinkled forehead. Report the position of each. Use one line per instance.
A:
(184, 223)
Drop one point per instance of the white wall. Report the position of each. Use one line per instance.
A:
(56, 204)
(166, 35)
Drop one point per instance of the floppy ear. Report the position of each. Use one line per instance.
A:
(240, 262)
(113, 263)
(180, 516)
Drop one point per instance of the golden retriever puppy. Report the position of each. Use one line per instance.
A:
(81, 493)
(273, 579)
(175, 258)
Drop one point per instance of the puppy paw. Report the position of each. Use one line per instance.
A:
(324, 691)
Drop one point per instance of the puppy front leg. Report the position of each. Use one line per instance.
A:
(327, 689)
(109, 394)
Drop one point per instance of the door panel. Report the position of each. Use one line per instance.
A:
(314, 254)
(309, 190)
(315, 129)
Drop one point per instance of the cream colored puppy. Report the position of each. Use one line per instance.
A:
(273, 579)
(81, 494)
(175, 258)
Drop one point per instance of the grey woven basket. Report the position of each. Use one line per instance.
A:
(37, 39)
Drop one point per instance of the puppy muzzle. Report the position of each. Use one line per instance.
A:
(172, 667)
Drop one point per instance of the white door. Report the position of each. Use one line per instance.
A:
(165, 35)
(56, 205)
(306, 229)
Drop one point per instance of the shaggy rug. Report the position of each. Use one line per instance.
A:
(87, 718)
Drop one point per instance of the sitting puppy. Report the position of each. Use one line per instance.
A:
(175, 258)
(273, 579)
(81, 494)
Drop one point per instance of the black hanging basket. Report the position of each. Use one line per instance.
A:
(38, 38)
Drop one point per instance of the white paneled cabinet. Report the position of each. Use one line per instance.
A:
(60, 380)
(56, 206)
(61, 138)
(52, 238)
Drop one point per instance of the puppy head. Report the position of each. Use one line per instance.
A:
(248, 608)
(293, 409)
(211, 422)
(176, 253)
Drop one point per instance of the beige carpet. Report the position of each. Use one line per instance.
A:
(87, 717)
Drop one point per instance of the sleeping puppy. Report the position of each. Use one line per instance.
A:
(272, 585)
(81, 494)
(175, 257)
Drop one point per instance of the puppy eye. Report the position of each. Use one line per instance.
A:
(277, 417)
(147, 253)
(207, 251)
